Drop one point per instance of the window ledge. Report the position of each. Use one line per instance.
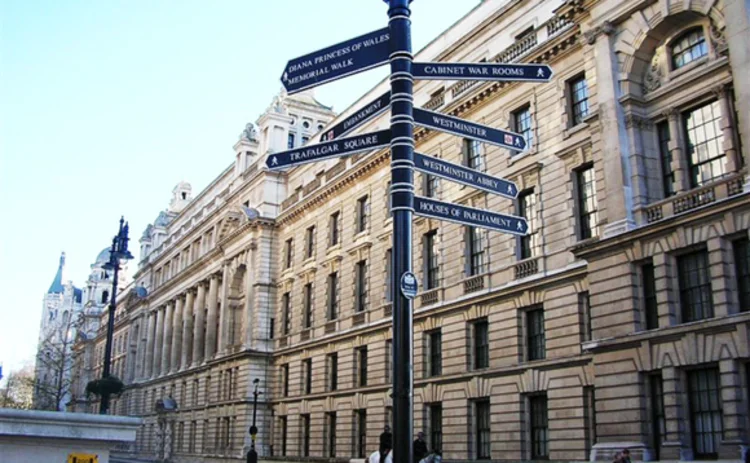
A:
(514, 158)
(567, 133)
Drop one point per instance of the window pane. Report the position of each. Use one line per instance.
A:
(666, 158)
(436, 427)
(688, 48)
(483, 429)
(539, 429)
(588, 215)
(430, 254)
(704, 144)
(481, 345)
(528, 246)
(705, 411)
(476, 250)
(361, 286)
(651, 308)
(695, 287)
(579, 99)
(535, 334)
(522, 124)
(658, 420)
(388, 273)
(742, 264)
(436, 353)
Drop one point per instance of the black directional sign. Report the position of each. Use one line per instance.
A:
(360, 117)
(330, 149)
(337, 61)
(470, 216)
(482, 71)
(460, 174)
(462, 128)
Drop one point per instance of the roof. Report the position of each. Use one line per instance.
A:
(57, 287)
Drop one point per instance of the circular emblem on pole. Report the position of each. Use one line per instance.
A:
(409, 285)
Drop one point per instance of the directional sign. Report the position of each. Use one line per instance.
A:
(462, 128)
(470, 216)
(482, 71)
(337, 61)
(460, 174)
(330, 149)
(360, 117)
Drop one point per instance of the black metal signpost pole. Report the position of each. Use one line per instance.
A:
(402, 205)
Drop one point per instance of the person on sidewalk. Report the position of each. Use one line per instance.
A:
(419, 447)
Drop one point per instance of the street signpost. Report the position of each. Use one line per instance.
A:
(337, 61)
(433, 166)
(482, 71)
(372, 109)
(462, 128)
(330, 149)
(470, 216)
(393, 44)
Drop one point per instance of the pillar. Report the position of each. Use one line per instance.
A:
(198, 329)
(734, 411)
(679, 162)
(149, 354)
(174, 361)
(674, 448)
(213, 304)
(167, 347)
(187, 330)
(224, 312)
(733, 158)
(614, 143)
(159, 341)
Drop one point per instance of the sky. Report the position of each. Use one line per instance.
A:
(106, 105)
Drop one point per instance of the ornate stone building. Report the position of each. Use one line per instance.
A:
(621, 321)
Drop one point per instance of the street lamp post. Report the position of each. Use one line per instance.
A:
(117, 252)
(252, 455)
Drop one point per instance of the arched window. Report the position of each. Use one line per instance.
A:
(688, 47)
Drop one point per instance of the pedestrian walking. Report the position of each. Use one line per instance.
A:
(419, 447)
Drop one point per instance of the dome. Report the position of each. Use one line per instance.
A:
(103, 256)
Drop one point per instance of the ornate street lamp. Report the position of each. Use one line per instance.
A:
(252, 455)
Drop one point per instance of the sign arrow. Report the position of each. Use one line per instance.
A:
(331, 149)
(460, 174)
(470, 216)
(462, 128)
(482, 71)
(371, 110)
(337, 61)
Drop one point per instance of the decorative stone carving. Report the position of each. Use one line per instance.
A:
(634, 121)
(606, 28)
(718, 37)
(249, 134)
(652, 80)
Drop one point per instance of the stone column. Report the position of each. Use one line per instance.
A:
(733, 160)
(167, 347)
(159, 342)
(187, 330)
(674, 448)
(679, 163)
(149, 354)
(200, 320)
(737, 16)
(614, 138)
(224, 312)
(720, 272)
(734, 414)
(213, 303)
(174, 361)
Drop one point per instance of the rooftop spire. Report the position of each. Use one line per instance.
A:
(57, 286)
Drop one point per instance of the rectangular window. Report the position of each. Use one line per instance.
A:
(288, 248)
(430, 257)
(522, 124)
(307, 368)
(526, 208)
(473, 154)
(309, 242)
(333, 296)
(589, 410)
(333, 371)
(305, 140)
(742, 267)
(535, 340)
(658, 419)
(362, 366)
(435, 340)
(307, 295)
(361, 433)
(284, 429)
(286, 305)
(695, 286)
(429, 185)
(539, 431)
(361, 214)
(271, 328)
(331, 419)
(584, 309)
(388, 278)
(436, 427)
(579, 99)
(705, 140)
(475, 250)
(290, 141)
(481, 345)
(388, 360)
(705, 411)
(360, 290)
(650, 307)
(482, 425)
(333, 225)
(667, 175)
(588, 215)
(285, 379)
(305, 435)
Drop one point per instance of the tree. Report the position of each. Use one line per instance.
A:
(54, 365)
(18, 390)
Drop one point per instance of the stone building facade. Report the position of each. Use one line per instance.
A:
(621, 321)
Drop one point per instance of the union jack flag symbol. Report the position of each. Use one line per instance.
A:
(508, 139)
